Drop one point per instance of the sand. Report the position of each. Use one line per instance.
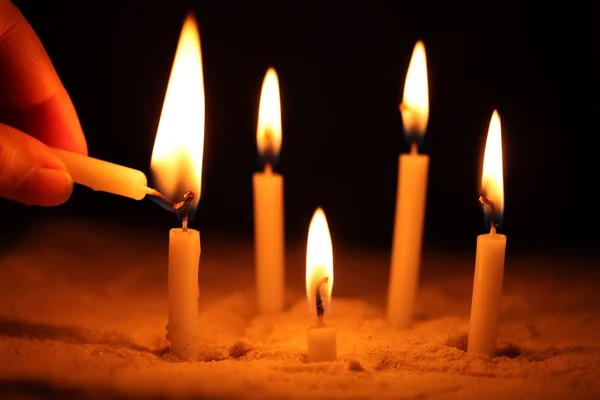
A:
(83, 315)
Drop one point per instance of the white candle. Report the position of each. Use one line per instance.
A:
(268, 203)
(177, 167)
(104, 176)
(410, 198)
(184, 259)
(489, 259)
(322, 337)
(321, 343)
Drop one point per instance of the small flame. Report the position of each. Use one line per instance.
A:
(492, 182)
(415, 102)
(319, 262)
(179, 145)
(268, 131)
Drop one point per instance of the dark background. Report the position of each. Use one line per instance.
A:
(342, 69)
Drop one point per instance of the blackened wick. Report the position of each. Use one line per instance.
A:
(320, 306)
(488, 203)
(182, 208)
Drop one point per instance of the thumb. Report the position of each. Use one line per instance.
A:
(30, 173)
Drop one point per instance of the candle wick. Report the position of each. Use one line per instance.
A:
(414, 148)
(268, 168)
(414, 137)
(183, 208)
(319, 298)
(184, 223)
(269, 149)
(488, 203)
(159, 196)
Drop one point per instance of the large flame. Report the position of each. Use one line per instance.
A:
(268, 130)
(179, 145)
(319, 261)
(415, 102)
(492, 182)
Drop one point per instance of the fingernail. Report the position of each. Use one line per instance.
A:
(45, 187)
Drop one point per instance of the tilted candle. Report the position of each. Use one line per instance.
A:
(267, 186)
(491, 248)
(411, 196)
(104, 176)
(322, 337)
(177, 167)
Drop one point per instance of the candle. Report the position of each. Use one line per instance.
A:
(268, 203)
(489, 259)
(184, 259)
(411, 196)
(104, 176)
(321, 338)
(177, 169)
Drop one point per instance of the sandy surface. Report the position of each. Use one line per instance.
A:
(83, 317)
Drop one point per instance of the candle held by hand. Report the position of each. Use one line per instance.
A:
(177, 169)
(322, 337)
(491, 248)
(411, 196)
(104, 176)
(269, 243)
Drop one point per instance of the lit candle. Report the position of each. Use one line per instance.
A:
(411, 196)
(322, 337)
(489, 259)
(177, 169)
(268, 203)
(104, 176)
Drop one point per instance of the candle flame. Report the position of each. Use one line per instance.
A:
(319, 262)
(492, 180)
(179, 145)
(268, 130)
(415, 101)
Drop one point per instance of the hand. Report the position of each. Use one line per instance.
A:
(32, 100)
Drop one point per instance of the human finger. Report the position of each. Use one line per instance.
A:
(29, 171)
(32, 87)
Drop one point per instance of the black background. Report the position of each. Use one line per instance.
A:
(341, 69)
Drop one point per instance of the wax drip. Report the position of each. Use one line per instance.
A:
(488, 203)
(319, 298)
